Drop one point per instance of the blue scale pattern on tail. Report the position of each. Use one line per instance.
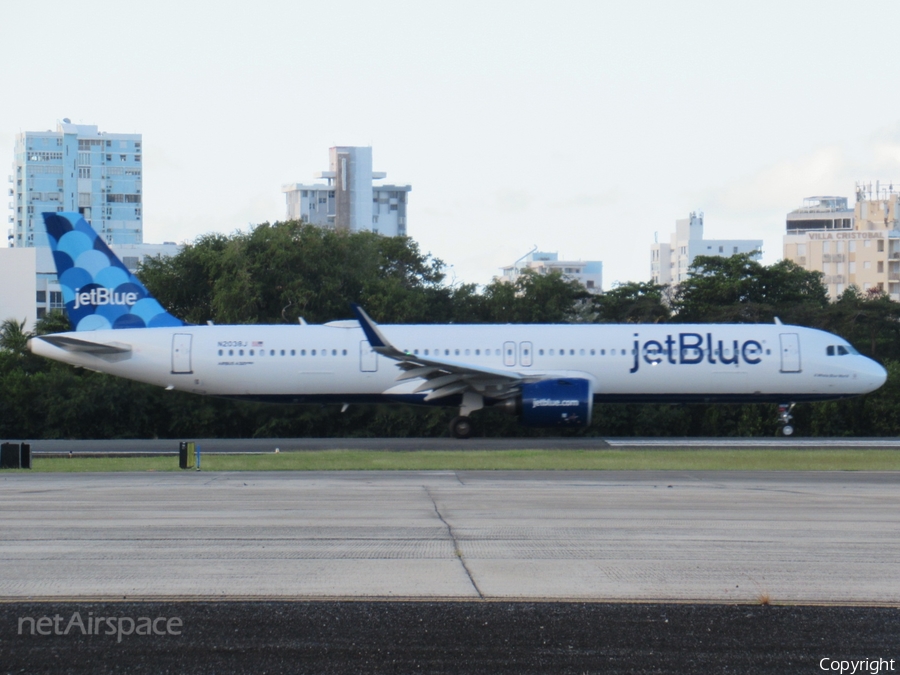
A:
(98, 290)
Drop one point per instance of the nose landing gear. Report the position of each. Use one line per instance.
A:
(785, 417)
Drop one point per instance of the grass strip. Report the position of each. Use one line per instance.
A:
(559, 460)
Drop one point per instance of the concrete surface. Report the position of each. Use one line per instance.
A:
(661, 536)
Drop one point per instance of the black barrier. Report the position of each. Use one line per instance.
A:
(10, 457)
(187, 454)
(25, 456)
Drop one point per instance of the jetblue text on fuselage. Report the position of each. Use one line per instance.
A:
(103, 296)
(694, 348)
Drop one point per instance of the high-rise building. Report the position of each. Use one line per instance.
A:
(349, 200)
(670, 263)
(77, 169)
(859, 246)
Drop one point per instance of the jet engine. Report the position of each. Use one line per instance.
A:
(563, 402)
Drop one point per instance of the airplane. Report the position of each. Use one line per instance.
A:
(548, 375)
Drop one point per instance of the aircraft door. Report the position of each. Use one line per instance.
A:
(790, 353)
(181, 353)
(525, 353)
(509, 353)
(368, 357)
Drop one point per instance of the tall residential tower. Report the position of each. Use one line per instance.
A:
(77, 169)
(349, 200)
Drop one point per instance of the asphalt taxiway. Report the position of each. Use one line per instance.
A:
(61, 447)
(795, 537)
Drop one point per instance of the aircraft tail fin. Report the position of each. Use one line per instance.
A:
(99, 292)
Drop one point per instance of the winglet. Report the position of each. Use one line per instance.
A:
(373, 334)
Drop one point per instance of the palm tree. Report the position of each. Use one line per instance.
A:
(14, 337)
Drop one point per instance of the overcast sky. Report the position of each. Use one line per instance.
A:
(578, 127)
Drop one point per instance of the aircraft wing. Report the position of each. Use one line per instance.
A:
(442, 377)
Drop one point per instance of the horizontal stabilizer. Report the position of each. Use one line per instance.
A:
(71, 344)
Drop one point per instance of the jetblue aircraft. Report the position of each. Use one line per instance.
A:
(548, 375)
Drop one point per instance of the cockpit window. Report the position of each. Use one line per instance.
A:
(842, 350)
(851, 350)
(829, 350)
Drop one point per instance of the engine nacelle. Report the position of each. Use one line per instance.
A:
(563, 402)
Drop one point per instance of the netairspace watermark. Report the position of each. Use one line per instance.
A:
(120, 626)
(859, 666)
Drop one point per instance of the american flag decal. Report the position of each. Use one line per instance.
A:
(257, 343)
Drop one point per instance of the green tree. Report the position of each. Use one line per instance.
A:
(739, 289)
(14, 337)
(533, 298)
(632, 302)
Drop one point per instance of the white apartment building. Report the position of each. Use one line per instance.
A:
(670, 263)
(589, 273)
(859, 246)
(349, 200)
(77, 169)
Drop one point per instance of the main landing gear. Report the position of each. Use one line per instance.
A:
(461, 426)
(785, 417)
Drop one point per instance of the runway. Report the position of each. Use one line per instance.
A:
(59, 447)
(751, 537)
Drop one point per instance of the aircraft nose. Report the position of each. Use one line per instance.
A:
(875, 374)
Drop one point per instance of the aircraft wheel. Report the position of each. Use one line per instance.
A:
(461, 427)
(787, 430)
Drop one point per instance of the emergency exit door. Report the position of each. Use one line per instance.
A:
(368, 357)
(790, 353)
(181, 353)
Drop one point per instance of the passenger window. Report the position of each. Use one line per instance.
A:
(302, 352)
(220, 352)
(240, 352)
(271, 352)
(456, 352)
(593, 352)
(477, 352)
(251, 352)
(571, 352)
(540, 352)
(446, 352)
(552, 352)
(467, 352)
(230, 352)
(324, 352)
(426, 352)
(293, 352)
(602, 352)
(334, 352)
(829, 350)
(581, 353)
(344, 352)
